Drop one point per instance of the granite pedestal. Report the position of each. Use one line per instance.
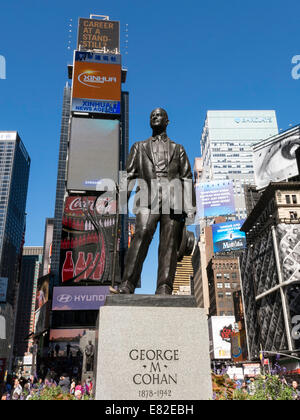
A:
(152, 348)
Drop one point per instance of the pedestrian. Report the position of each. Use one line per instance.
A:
(64, 383)
(251, 387)
(73, 386)
(296, 390)
(17, 390)
(78, 394)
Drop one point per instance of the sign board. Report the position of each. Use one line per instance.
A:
(228, 236)
(79, 298)
(221, 330)
(93, 153)
(96, 83)
(275, 159)
(215, 199)
(85, 255)
(95, 34)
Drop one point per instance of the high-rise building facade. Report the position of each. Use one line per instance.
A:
(226, 148)
(14, 175)
(61, 182)
(30, 272)
(270, 270)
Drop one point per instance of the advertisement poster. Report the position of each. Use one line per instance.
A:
(275, 159)
(97, 82)
(86, 254)
(3, 289)
(221, 330)
(228, 236)
(215, 199)
(79, 298)
(96, 34)
(93, 153)
(62, 341)
(289, 251)
(42, 294)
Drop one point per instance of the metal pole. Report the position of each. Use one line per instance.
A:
(114, 271)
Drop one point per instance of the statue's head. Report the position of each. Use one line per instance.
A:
(159, 119)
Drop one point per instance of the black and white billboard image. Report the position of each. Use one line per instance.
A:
(275, 159)
(93, 153)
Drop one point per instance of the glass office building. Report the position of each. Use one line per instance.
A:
(14, 175)
(226, 147)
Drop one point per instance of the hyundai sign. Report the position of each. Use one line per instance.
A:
(79, 298)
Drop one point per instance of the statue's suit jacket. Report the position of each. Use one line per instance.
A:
(141, 166)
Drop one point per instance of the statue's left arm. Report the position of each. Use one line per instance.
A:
(186, 177)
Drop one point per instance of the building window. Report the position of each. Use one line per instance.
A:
(219, 276)
(294, 199)
(234, 275)
(293, 215)
(228, 294)
(220, 295)
(288, 199)
(219, 285)
(227, 285)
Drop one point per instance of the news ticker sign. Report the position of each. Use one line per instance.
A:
(96, 83)
(79, 298)
(95, 34)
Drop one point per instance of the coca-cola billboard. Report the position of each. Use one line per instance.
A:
(87, 242)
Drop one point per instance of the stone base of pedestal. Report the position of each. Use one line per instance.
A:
(152, 348)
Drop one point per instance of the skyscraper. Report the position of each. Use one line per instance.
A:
(14, 175)
(61, 181)
(226, 146)
(30, 272)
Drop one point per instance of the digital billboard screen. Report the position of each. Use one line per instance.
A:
(95, 34)
(215, 199)
(228, 236)
(93, 153)
(79, 298)
(86, 256)
(96, 83)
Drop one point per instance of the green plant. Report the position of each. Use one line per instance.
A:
(271, 388)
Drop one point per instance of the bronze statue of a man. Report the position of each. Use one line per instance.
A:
(163, 167)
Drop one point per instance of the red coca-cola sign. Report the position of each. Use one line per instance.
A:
(77, 205)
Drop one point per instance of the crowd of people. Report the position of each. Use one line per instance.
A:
(19, 388)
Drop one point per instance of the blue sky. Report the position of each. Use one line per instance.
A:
(187, 57)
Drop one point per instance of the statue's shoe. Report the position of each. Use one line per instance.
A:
(164, 290)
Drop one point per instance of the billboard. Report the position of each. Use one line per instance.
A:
(61, 340)
(228, 236)
(93, 153)
(221, 330)
(289, 251)
(87, 255)
(95, 34)
(3, 289)
(79, 298)
(275, 159)
(239, 350)
(215, 199)
(96, 83)
(42, 293)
